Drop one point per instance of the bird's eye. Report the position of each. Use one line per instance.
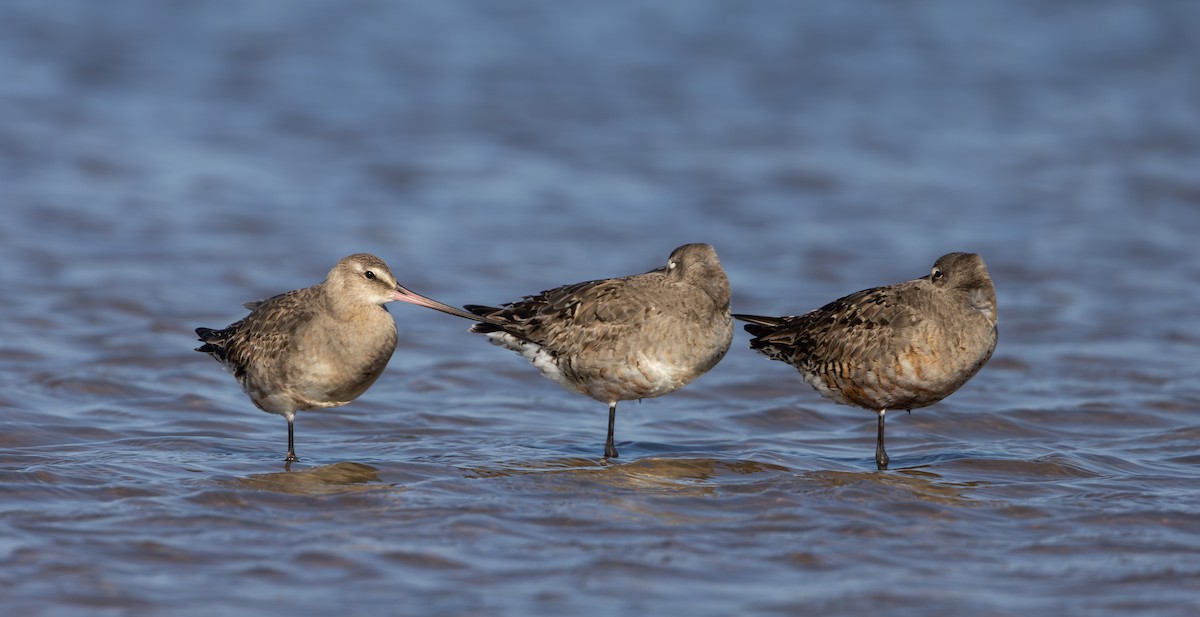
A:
(370, 275)
(670, 265)
(936, 274)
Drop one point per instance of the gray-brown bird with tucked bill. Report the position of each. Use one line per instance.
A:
(900, 347)
(622, 339)
(317, 347)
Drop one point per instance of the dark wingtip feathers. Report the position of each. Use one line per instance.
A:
(755, 330)
(759, 326)
(484, 312)
(211, 339)
(758, 319)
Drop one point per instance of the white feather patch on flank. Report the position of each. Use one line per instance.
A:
(907, 371)
(661, 377)
(542, 359)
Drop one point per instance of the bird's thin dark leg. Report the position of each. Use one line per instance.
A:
(291, 455)
(610, 446)
(881, 457)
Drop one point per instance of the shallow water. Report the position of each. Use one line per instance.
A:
(161, 163)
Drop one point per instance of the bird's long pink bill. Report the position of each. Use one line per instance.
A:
(411, 297)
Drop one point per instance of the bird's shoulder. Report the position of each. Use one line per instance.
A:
(278, 312)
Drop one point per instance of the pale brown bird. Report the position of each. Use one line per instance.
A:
(626, 338)
(901, 347)
(317, 347)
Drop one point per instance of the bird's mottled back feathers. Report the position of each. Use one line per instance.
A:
(321, 346)
(900, 346)
(264, 333)
(842, 328)
(583, 307)
(623, 338)
(692, 286)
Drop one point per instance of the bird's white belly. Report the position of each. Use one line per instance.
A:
(607, 379)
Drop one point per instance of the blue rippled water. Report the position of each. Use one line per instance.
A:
(161, 163)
